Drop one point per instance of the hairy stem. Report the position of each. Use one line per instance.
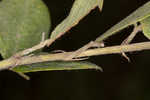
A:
(6, 64)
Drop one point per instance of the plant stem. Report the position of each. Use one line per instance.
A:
(6, 64)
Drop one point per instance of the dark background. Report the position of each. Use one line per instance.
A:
(120, 80)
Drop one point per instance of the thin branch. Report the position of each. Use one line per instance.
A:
(6, 64)
(117, 49)
(34, 48)
(133, 34)
(131, 37)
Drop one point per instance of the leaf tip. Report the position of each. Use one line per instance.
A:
(99, 68)
(100, 4)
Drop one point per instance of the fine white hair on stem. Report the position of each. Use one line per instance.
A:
(5, 64)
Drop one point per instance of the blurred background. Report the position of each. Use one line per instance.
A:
(121, 80)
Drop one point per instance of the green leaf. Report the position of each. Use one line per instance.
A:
(137, 16)
(57, 65)
(100, 2)
(21, 24)
(146, 27)
(79, 9)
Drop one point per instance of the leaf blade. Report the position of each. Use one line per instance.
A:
(146, 27)
(20, 20)
(78, 11)
(100, 6)
(138, 15)
(57, 65)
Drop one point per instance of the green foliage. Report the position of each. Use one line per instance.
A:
(101, 2)
(56, 65)
(23, 21)
(146, 27)
(79, 10)
(140, 14)
(21, 25)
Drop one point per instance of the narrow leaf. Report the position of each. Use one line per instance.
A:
(138, 15)
(146, 27)
(58, 65)
(79, 9)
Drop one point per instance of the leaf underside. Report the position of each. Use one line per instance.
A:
(21, 25)
(21, 28)
(78, 11)
(146, 27)
(56, 65)
(140, 14)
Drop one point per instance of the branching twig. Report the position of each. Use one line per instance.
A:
(34, 48)
(131, 37)
(6, 64)
(133, 34)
